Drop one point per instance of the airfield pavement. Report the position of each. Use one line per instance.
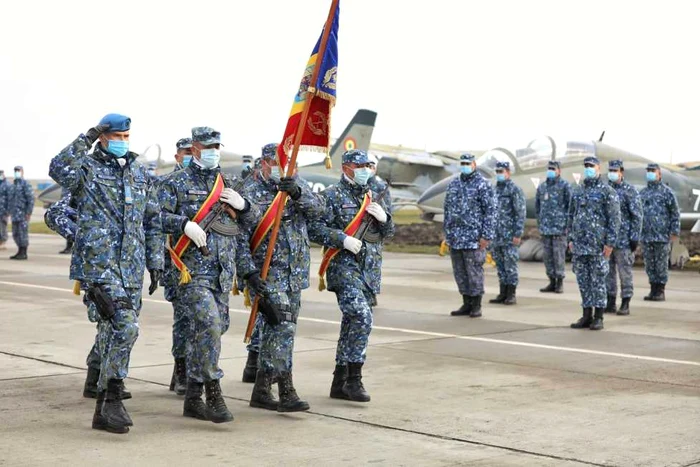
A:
(516, 387)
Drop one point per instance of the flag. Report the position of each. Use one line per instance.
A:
(316, 129)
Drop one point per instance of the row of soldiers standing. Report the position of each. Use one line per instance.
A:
(16, 204)
(601, 224)
(125, 221)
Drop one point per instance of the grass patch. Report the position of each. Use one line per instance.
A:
(423, 249)
(39, 227)
(408, 216)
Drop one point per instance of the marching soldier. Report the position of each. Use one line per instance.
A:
(287, 277)
(660, 226)
(111, 249)
(594, 221)
(622, 257)
(510, 224)
(470, 217)
(206, 263)
(352, 231)
(552, 207)
(4, 213)
(20, 203)
(380, 186)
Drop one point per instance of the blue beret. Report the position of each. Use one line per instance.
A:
(503, 165)
(206, 135)
(591, 160)
(269, 151)
(653, 166)
(355, 156)
(184, 143)
(466, 157)
(553, 165)
(116, 122)
(615, 164)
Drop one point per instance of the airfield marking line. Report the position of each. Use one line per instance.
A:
(488, 340)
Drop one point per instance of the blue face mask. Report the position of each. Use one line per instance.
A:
(500, 177)
(362, 174)
(18, 175)
(118, 148)
(466, 169)
(186, 161)
(551, 174)
(613, 176)
(209, 158)
(275, 173)
(651, 176)
(589, 172)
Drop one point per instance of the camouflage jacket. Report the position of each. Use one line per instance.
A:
(62, 217)
(20, 199)
(4, 188)
(661, 214)
(510, 216)
(119, 229)
(470, 212)
(361, 271)
(289, 269)
(552, 206)
(181, 195)
(594, 218)
(630, 214)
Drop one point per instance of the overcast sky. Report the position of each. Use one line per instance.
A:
(441, 74)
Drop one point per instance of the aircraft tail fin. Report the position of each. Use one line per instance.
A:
(357, 135)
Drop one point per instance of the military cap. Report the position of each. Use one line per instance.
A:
(184, 143)
(653, 166)
(152, 165)
(355, 156)
(466, 157)
(503, 165)
(247, 158)
(205, 135)
(553, 165)
(2, 172)
(591, 160)
(19, 167)
(616, 164)
(116, 122)
(269, 151)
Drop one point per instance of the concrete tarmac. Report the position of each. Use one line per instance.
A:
(516, 387)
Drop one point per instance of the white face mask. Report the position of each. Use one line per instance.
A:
(209, 158)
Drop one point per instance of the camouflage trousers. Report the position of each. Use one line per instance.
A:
(208, 314)
(554, 255)
(621, 261)
(468, 269)
(181, 324)
(93, 359)
(656, 261)
(3, 229)
(255, 337)
(355, 326)
(277, 342)
(506, 258)
(20, 232)
(591, 273)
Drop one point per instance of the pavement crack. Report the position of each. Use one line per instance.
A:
(42, 360)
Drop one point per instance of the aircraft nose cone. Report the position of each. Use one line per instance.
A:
(432, 200)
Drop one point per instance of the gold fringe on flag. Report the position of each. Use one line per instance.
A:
(76, 288)
(185, 276)
(246, 298)
(444, 249)
(329, 164)
(234, 289)
(321, 284)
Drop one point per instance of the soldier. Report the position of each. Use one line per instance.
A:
(20, 203)
(661, 225)
(153, 177)
(380, 186)
(594, 220)
(206, 268)
(622, 257)
(470, 217)
(287, 277)
(183, 155)
(247, 166)
(510, 223)
(352, 265)
(552, 207)
(71, 213)
(4, 186)
(111, 249)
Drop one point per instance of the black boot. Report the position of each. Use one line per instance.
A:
(597, 323)
(585, 321)
(114, 413)
(373, 302)
(68, 249)
(610, 308)
(353, 386)
(98, 421)
(551, 287)
(660, 295)
(510, 295)
(289, 400)
(475, 303)
(251, 367)
(262, 397)
(21, 254)
(90, 389)
(340, 375)
(652, 292)
(624, 307)
(123, 393)
(465, 309)
(501, 297)
(559, 285)
(217, 411)
(194, 405)
(179, 385)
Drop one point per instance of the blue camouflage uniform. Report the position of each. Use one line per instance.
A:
(470, 215)
(552, 208)
(594, 222)
(353, 278)
(661, 221)
(510, 223)
(622, 257)
(205, 297)
(119, 234)
(20, 203)
(4, 213)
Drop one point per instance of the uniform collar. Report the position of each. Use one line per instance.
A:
(353, 187)
(201, 172)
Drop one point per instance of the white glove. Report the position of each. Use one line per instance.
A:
(376, 210)
(234, 199)
(195, 232)
(352, 244)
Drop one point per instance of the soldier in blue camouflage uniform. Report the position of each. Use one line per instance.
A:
(247, 166)
(72, 212)
(622, 257)
(552, 207)
(152, 176)
(205, 297)
(354, 272)
(287, 277)
(470, 220)
(510, 224)
(20, 203)
(4, 213)
(661, 225)
(381, 187)
(119, 234)
(594, 221)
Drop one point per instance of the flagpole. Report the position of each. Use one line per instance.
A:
(310, 93)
